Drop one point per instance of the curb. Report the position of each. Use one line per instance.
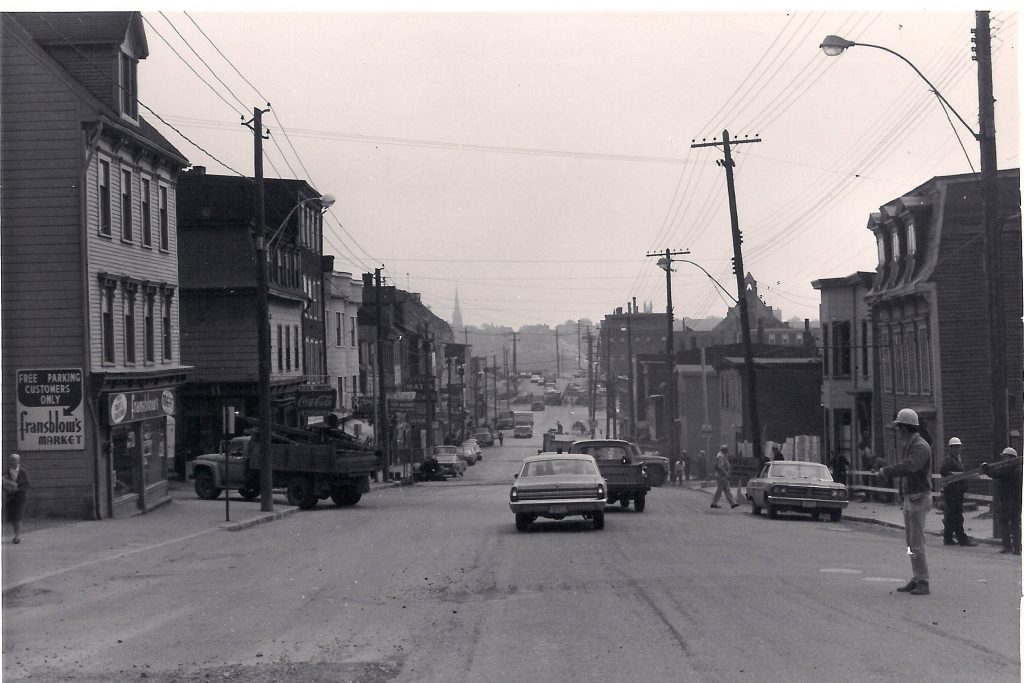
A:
(262, 519)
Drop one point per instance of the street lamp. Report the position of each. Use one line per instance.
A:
(991, 250)
(266, 416)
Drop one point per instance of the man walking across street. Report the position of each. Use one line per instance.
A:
(914, 472)
(953, 498)
(1008, 494)
(722, 471)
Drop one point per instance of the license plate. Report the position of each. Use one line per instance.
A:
(809, 504)
(557, 509)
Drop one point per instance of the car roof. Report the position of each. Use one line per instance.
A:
(558, 456)
(604, 442)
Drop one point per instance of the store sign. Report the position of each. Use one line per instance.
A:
(133, 406)
(51, 415)
(315, 400)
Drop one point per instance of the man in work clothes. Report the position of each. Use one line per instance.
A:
(1008, 493)
(953, 498)
(723, 470)
(914, 472)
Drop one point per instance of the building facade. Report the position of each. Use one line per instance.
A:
(220, 325)
(344, 296)
(929, 313)
(90, 266)
(847, 359)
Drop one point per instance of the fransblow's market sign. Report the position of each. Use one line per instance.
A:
(132, 406)
(50, 410)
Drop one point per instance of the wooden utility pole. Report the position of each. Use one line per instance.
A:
(515, 367)
(558, 357)
(383, 435)
(590, 383)
(753, 429)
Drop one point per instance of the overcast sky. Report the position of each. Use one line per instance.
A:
(531, 160)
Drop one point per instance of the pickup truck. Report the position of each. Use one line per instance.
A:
(307, 471)
(626, 475)
(555, 442)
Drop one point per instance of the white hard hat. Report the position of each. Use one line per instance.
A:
(955, 441)
(906, 416)
(1012, 452)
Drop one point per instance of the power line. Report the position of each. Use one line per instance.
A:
(203, 61)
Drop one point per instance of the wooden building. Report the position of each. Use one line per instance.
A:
(89, 266)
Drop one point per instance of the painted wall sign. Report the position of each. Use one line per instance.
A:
(315, 400)
(50, 410)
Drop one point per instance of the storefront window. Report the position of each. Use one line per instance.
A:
(154, 451)
(124, 445)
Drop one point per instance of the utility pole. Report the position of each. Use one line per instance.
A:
(558, 357)
(609, 399)
(629, 367)
(665, 262)
(590, 382)
(515, 368)
(266, 415)
(383, 435)
(753, 430)
(579, 344)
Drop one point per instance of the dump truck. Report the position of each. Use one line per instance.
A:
(308, 465)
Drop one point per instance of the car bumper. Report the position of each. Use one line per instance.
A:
(555, 506)
(807, 503)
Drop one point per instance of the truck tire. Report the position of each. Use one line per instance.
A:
(598, 520)
(344, 496)
(640, 502)
(205, 486)
(301, 493)
(249, 494)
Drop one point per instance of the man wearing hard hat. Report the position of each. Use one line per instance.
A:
(953, 498)
(1008, 492)
(914, 470)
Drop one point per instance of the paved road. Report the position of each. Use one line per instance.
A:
(432, 583)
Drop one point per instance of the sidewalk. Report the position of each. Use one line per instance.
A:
(49, 548)
(886, 514)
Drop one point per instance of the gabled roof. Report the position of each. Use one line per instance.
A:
(85, 28)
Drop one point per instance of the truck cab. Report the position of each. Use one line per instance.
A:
(626, 475)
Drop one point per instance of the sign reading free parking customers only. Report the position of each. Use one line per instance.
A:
(50, 410)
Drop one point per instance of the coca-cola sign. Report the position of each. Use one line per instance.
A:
(316, 400)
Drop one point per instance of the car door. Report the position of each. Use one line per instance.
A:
(758, 486)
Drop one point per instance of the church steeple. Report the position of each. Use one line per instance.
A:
(457, 313)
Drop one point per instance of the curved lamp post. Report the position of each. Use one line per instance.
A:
(266, 416)
(834, 45)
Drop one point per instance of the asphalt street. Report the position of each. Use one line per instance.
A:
(432, 582)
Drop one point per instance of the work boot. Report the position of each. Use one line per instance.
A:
(734, 505)
(948, 542)
(911, 585)
(716, 505)
(967, 543)
(921, 588)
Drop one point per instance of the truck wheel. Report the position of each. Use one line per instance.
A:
(344, 496)
(640, 502)
(300, 493)
(598, 520)
(249, 494)
(523, 521)
(205, 486)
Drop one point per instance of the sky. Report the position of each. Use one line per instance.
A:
(532, 159)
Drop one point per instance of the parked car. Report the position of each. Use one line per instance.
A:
(796, 486)
(555, 486)
(467, 454)
(536, 379)
(537, 405)
(483, 436)
(475, 445)
(451, 464)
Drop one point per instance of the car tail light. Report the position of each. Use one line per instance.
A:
(600, 491)
(513, 495)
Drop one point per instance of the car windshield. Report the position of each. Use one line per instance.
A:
(463, 450)
(803, 470)
(444, 450)
(605, 452)
(547, 468)
(447, 458)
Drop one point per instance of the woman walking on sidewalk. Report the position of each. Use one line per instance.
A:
(16, 484)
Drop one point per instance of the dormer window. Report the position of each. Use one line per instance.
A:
(129, 87)
(897, 246)
(911, 240)
(880, 241)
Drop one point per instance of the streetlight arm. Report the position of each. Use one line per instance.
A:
(326, 200)
(834, 45)
(712, 277)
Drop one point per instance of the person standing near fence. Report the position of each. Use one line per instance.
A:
(1008, 492)
(723, 470)
(953, 497)
(915, 474)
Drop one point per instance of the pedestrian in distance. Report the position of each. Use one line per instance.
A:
(501, 438)
(953, 497)
(777, 453)
(1008, 495)
(914, 470)
(840, 466)
(702, 466)
(686, 466)
(677, 472)
(15, 485)
(723, 470)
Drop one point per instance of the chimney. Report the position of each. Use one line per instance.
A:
(199, 170)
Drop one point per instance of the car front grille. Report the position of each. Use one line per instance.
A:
(812, 492)
(571, 493)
